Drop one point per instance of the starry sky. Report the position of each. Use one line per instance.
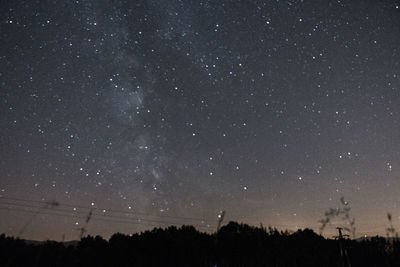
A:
(152, 113)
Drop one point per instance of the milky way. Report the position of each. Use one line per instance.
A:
(169, 112)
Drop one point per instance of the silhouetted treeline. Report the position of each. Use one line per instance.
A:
(234, 245)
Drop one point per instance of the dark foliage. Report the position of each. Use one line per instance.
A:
(234, 245)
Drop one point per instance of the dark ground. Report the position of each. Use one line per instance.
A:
(234, 245)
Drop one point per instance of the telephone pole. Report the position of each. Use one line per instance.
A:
(343, 251)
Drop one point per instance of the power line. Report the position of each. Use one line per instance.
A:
(114, 216)
(73, 213)
(135, 220)
(126, 213)
(84, 212)
(109, 210)
(103, 218)
(95, 217)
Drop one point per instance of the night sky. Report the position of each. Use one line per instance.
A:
(161, 112)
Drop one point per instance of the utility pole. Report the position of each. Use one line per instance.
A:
(343, 251)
